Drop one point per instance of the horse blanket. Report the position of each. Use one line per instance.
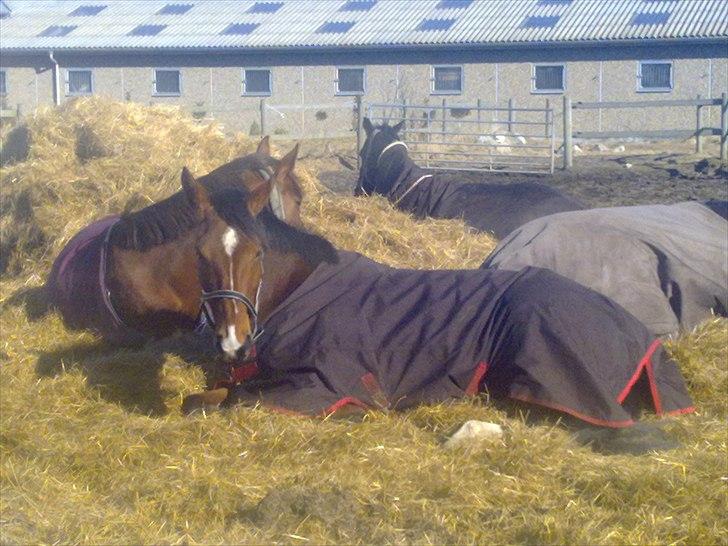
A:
(358, 332)
(77, 283)
(665, 264)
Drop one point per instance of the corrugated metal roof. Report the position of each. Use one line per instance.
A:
(388, 23)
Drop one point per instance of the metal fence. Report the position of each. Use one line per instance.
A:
(473, 137)
(698, 132)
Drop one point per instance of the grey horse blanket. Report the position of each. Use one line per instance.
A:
(665, 264)
(358, 332)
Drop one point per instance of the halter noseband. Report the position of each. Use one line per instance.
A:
(234, 295)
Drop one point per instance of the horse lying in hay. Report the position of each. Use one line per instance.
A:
(665, 264)
(133, 277)
(387, 169)
(342, 331)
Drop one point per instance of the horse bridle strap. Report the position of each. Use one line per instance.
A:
(235, 296)
(389, 147)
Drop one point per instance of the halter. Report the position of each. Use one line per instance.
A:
(234, 295)
(389, 146)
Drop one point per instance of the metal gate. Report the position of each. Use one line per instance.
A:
(474, 137)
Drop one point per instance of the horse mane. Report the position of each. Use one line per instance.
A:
(169, 219)
(285, 238)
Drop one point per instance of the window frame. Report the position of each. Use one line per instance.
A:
(155, 92)
(340, 93)
(4, 92)
(641, 89)
(433, 80)
(243, 85)
(564, 82)
(68, 82)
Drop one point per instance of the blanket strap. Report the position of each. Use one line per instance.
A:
(413, 186)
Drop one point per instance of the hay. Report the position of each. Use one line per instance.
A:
(93, 448)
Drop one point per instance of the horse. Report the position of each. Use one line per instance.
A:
(134, 277)
(335, 330)
(386, 169)
(665, 264)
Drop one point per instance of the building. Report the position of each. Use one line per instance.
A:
(308, 58)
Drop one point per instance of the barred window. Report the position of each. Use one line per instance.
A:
(447, 79)
(655, 76)
(256, 81)
(167, 82)
(548, 78)
(350, 81)
(79, 82)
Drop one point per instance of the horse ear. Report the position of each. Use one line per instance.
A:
(397, 128)
(264, 146)
(258, 197)
(368, 127)
(195, 192)
(287, 164)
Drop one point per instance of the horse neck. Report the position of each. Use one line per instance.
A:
(162, 279)
(283, 272)
(396, 171)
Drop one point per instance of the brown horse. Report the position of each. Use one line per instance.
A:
(342, 331)
(133, 277)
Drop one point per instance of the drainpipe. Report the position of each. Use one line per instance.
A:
(56, 79)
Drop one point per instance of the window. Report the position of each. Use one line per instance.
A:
(435, 24)
(453, 4)
(265, 7)
(358, 5)
(256, 81)
(167, 82)
(175, 9)
(350, 81)
(540, 21)
(654, 76)
(335, 27)
(548, 78)
(240, 29)
(147, 30)
(447, 79)
(87, 11)
(3, 83)
(79, 82)
(55, 30)
(647, 18)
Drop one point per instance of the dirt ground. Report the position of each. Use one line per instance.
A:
(642, 174)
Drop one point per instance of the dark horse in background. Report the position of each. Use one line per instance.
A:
(387, 169)
(342, 331)
(134, 277)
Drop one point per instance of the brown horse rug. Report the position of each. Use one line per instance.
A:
(665, 264)
(361, 333)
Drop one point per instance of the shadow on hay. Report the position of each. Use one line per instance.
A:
(34, 299)
(129, 376)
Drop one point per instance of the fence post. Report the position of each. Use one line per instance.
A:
(723, 129)
(568, 148)
(510, 115)
(404, 113)
(698, 129)
(359, 121)
(480, 105)
(444, 116)
(546, 115)
(262, 117)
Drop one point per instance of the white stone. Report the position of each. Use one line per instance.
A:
(577, 149)
(619, 149)
(521, 139)
(472, 433)
(628, 165)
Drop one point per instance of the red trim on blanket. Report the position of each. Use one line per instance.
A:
(653, 388)
(638, 372)
(371, 384)
(343, 402)
(689, 409)
(587, 418)
(238, 375)
(474, 385)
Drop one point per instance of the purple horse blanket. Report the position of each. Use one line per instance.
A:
(358, 332)
(77, 286)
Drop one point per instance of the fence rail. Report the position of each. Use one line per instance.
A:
(699, 131)
(472, 137)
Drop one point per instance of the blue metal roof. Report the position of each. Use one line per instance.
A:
(386, 23)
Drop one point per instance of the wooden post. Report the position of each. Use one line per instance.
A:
(547, 116)
(359, 122)
(262, 117)
(723, 129)
(568, 148)
(698, 129)
(480, 106)
(510, 115)
(404, 113)
(444, 117)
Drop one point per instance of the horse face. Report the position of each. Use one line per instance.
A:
(378, 138)
(286, 194)
(230, 264)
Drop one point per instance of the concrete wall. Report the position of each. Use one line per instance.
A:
(304, 102)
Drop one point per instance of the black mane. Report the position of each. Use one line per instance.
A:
(286, 238)
(167, 220)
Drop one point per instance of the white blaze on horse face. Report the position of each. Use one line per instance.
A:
(230, 344)
(230, 241)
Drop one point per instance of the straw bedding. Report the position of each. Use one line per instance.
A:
(94, 449)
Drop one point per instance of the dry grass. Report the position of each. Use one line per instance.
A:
(94, 449)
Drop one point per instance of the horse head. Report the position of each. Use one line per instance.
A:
(379, 141)
(230, 260)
